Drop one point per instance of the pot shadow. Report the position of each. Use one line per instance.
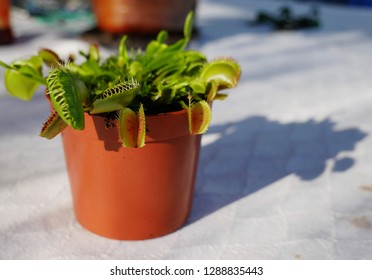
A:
(249, 155)
(106, 129)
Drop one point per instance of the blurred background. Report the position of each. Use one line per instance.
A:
(66, 7)
(77, 16)
(57, 12)
(42, 7)
(95, 17)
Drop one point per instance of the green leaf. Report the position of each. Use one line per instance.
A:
(141, 127)
(3, 64)
(49, 57)
(188, 26)
(20, 86)
(87, 69)
(132, 127)
(30, 72)
(53, 126)
(199, 115)
(123, 52)
(224, 72)
(211, 91)
(153, 50)
(83, 91)
(23, 77)
(115, 98)
(94, 52)
(220, 96)
(162, 37)
(198, 86)
(136, 70)
(65, 97)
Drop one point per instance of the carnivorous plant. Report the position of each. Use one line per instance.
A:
(126, 86)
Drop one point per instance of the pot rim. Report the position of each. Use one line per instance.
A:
(159, 127)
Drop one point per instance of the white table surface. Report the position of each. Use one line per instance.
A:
(285, 170)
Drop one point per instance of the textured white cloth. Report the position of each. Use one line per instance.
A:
(285, 169)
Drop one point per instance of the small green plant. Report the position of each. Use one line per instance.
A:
(127, 86)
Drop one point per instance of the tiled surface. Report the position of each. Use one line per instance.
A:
(285, 169)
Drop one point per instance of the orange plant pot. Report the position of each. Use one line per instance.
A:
(145, 16)
(6, 36)
(128, 193)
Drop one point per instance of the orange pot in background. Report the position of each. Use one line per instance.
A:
(6, 36)
(145, 16)
(132, 193)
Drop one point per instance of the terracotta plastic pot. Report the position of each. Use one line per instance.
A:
(6, 36)
(128, 193)
(145, 16)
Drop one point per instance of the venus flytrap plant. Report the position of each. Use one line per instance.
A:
(127, 86)
(52, 126)
(66, 96)
(115, 98)
(132, 127)
(23, 77)
(199, 115)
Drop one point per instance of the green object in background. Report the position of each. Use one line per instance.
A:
(56, 17)
(53, 12)
(286, 20)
